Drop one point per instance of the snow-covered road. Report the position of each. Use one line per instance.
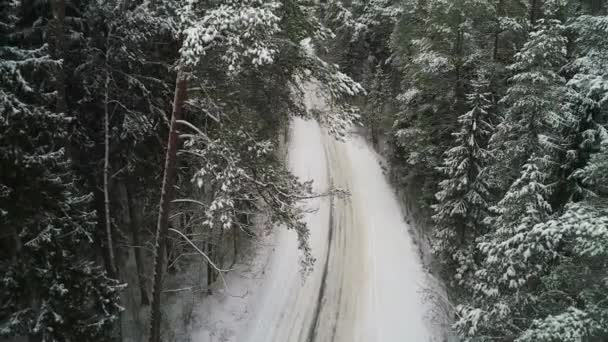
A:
(368, 280)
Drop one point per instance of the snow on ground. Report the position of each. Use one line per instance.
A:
(368, 280)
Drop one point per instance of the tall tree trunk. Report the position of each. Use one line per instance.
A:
(15, 248)
(533, 12)
(459, 91)
(58, 48)
(106, 174)
(112, 269)
(220, 251)
(499, 13)
(235, 245)
(166, 196)
(598, 7)
(134, 224)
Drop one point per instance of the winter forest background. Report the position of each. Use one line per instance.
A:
(136, 136)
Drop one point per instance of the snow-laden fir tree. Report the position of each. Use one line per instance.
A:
(498, 304)
(463, 195)
(51, 290)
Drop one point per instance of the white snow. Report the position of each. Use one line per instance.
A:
(368, 280)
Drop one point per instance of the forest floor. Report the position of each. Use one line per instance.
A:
(368, 283)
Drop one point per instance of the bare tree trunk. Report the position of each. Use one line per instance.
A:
(15, 248)
(209, 251)
(166, 196)
(374, 134)
(220, 250)
(112, 270)
(235, 246)
(134, 224)
(106, 174)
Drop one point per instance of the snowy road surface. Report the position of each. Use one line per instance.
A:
(367, 281)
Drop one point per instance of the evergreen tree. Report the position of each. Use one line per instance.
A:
(533, 101)
(52, 290)
(499, 303)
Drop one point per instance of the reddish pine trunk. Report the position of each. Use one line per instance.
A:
(166, 197)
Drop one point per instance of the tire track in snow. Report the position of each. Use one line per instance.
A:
(342, 316)
(312, 332)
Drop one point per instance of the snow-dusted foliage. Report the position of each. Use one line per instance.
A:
(50, 288)
(359, 18)
(337, 88)
(239, 32)
(244, 174)
(253, 34)
(124, 60)
(595, 174)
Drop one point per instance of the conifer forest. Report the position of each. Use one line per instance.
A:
(303, 170)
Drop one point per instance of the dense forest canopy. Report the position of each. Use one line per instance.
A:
(133, 130)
